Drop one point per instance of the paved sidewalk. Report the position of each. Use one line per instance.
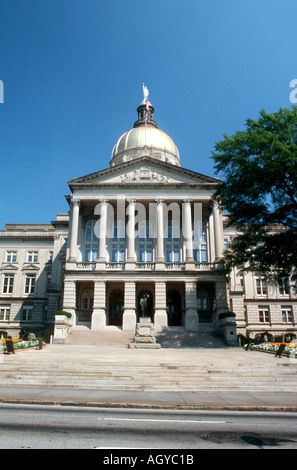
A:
(164, 400)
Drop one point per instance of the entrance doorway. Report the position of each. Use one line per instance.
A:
(174, 308)
(116, 307)
(85, 299)
(204, 303)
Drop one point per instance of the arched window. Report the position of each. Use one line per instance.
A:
(118, 242)
(91, 241)
(145, 244)
(200, 242)
(172, 242)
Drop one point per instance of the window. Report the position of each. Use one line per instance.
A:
(11, 256)
(172, 242)
(145, 242)
(45, 313)
(203, 301)
(91, 242)
(27, 313)
(226, 243)
(30, 283)
(8, 283)
(87, 300)
(284, 286)
(50, 255)
(32, 256)
(48, 280)
(263, 314)
(118, 242)
(287, 316)
(261, 285)
(4, 312)
(199, 243)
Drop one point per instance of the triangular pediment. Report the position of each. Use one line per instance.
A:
(9, 267)
(30, 267)
(144, 170)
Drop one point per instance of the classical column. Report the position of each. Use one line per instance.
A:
(131, 230)
(102, 229)
(218, 233)
(75, 203)
(161, 317)
(211, 238)
(160, 230)
(191, 315)
(99, 307)
(129, 316)
(69, 299)
(187, 229)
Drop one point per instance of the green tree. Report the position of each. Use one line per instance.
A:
(259, 193)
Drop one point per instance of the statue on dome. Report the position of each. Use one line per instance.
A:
(145, 92)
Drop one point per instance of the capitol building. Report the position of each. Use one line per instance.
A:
(144, 226)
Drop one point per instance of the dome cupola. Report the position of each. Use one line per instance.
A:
(145, 139)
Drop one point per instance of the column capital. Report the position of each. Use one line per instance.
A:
(103, 200)
(131, 201)
(159, 201)
(75, 201)
(187, 200)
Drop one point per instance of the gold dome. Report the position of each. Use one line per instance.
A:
(145, 139)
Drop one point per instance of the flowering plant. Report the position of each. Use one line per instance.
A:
(290, 349)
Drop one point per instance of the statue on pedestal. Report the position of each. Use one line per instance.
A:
(144, 304)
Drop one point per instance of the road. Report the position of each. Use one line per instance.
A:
(65, 427)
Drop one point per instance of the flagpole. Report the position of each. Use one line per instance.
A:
(145, 130)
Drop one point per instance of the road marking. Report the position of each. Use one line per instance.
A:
(162, 420)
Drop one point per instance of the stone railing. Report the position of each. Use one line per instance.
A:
(87, 265)
(175, 266)
(115, 266)
(146, 266)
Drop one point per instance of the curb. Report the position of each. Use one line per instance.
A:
(93, 404)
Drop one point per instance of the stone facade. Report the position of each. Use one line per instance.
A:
(145, 225)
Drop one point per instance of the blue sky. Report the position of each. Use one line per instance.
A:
(73, 71)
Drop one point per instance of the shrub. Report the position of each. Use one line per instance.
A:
(226, 314)
(61, 312)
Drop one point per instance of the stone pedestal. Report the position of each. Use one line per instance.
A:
(62, 327)
(144, 335)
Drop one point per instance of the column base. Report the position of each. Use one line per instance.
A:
(160, 319)
(191, 320)
(100, 265)
(129, 320)
(98, 319)
(130, 265)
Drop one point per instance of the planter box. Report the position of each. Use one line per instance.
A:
(62, 327)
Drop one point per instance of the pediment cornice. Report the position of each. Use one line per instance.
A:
(141, 171)
(30, 267)
(9, 267)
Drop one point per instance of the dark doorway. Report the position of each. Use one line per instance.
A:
(116, 308)
(174, 308)
(204, 304)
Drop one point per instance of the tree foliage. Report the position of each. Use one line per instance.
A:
(259, 192)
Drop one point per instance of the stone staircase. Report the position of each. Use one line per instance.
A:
(117, 367)
(172, 337)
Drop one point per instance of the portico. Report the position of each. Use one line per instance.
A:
(144, 226)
